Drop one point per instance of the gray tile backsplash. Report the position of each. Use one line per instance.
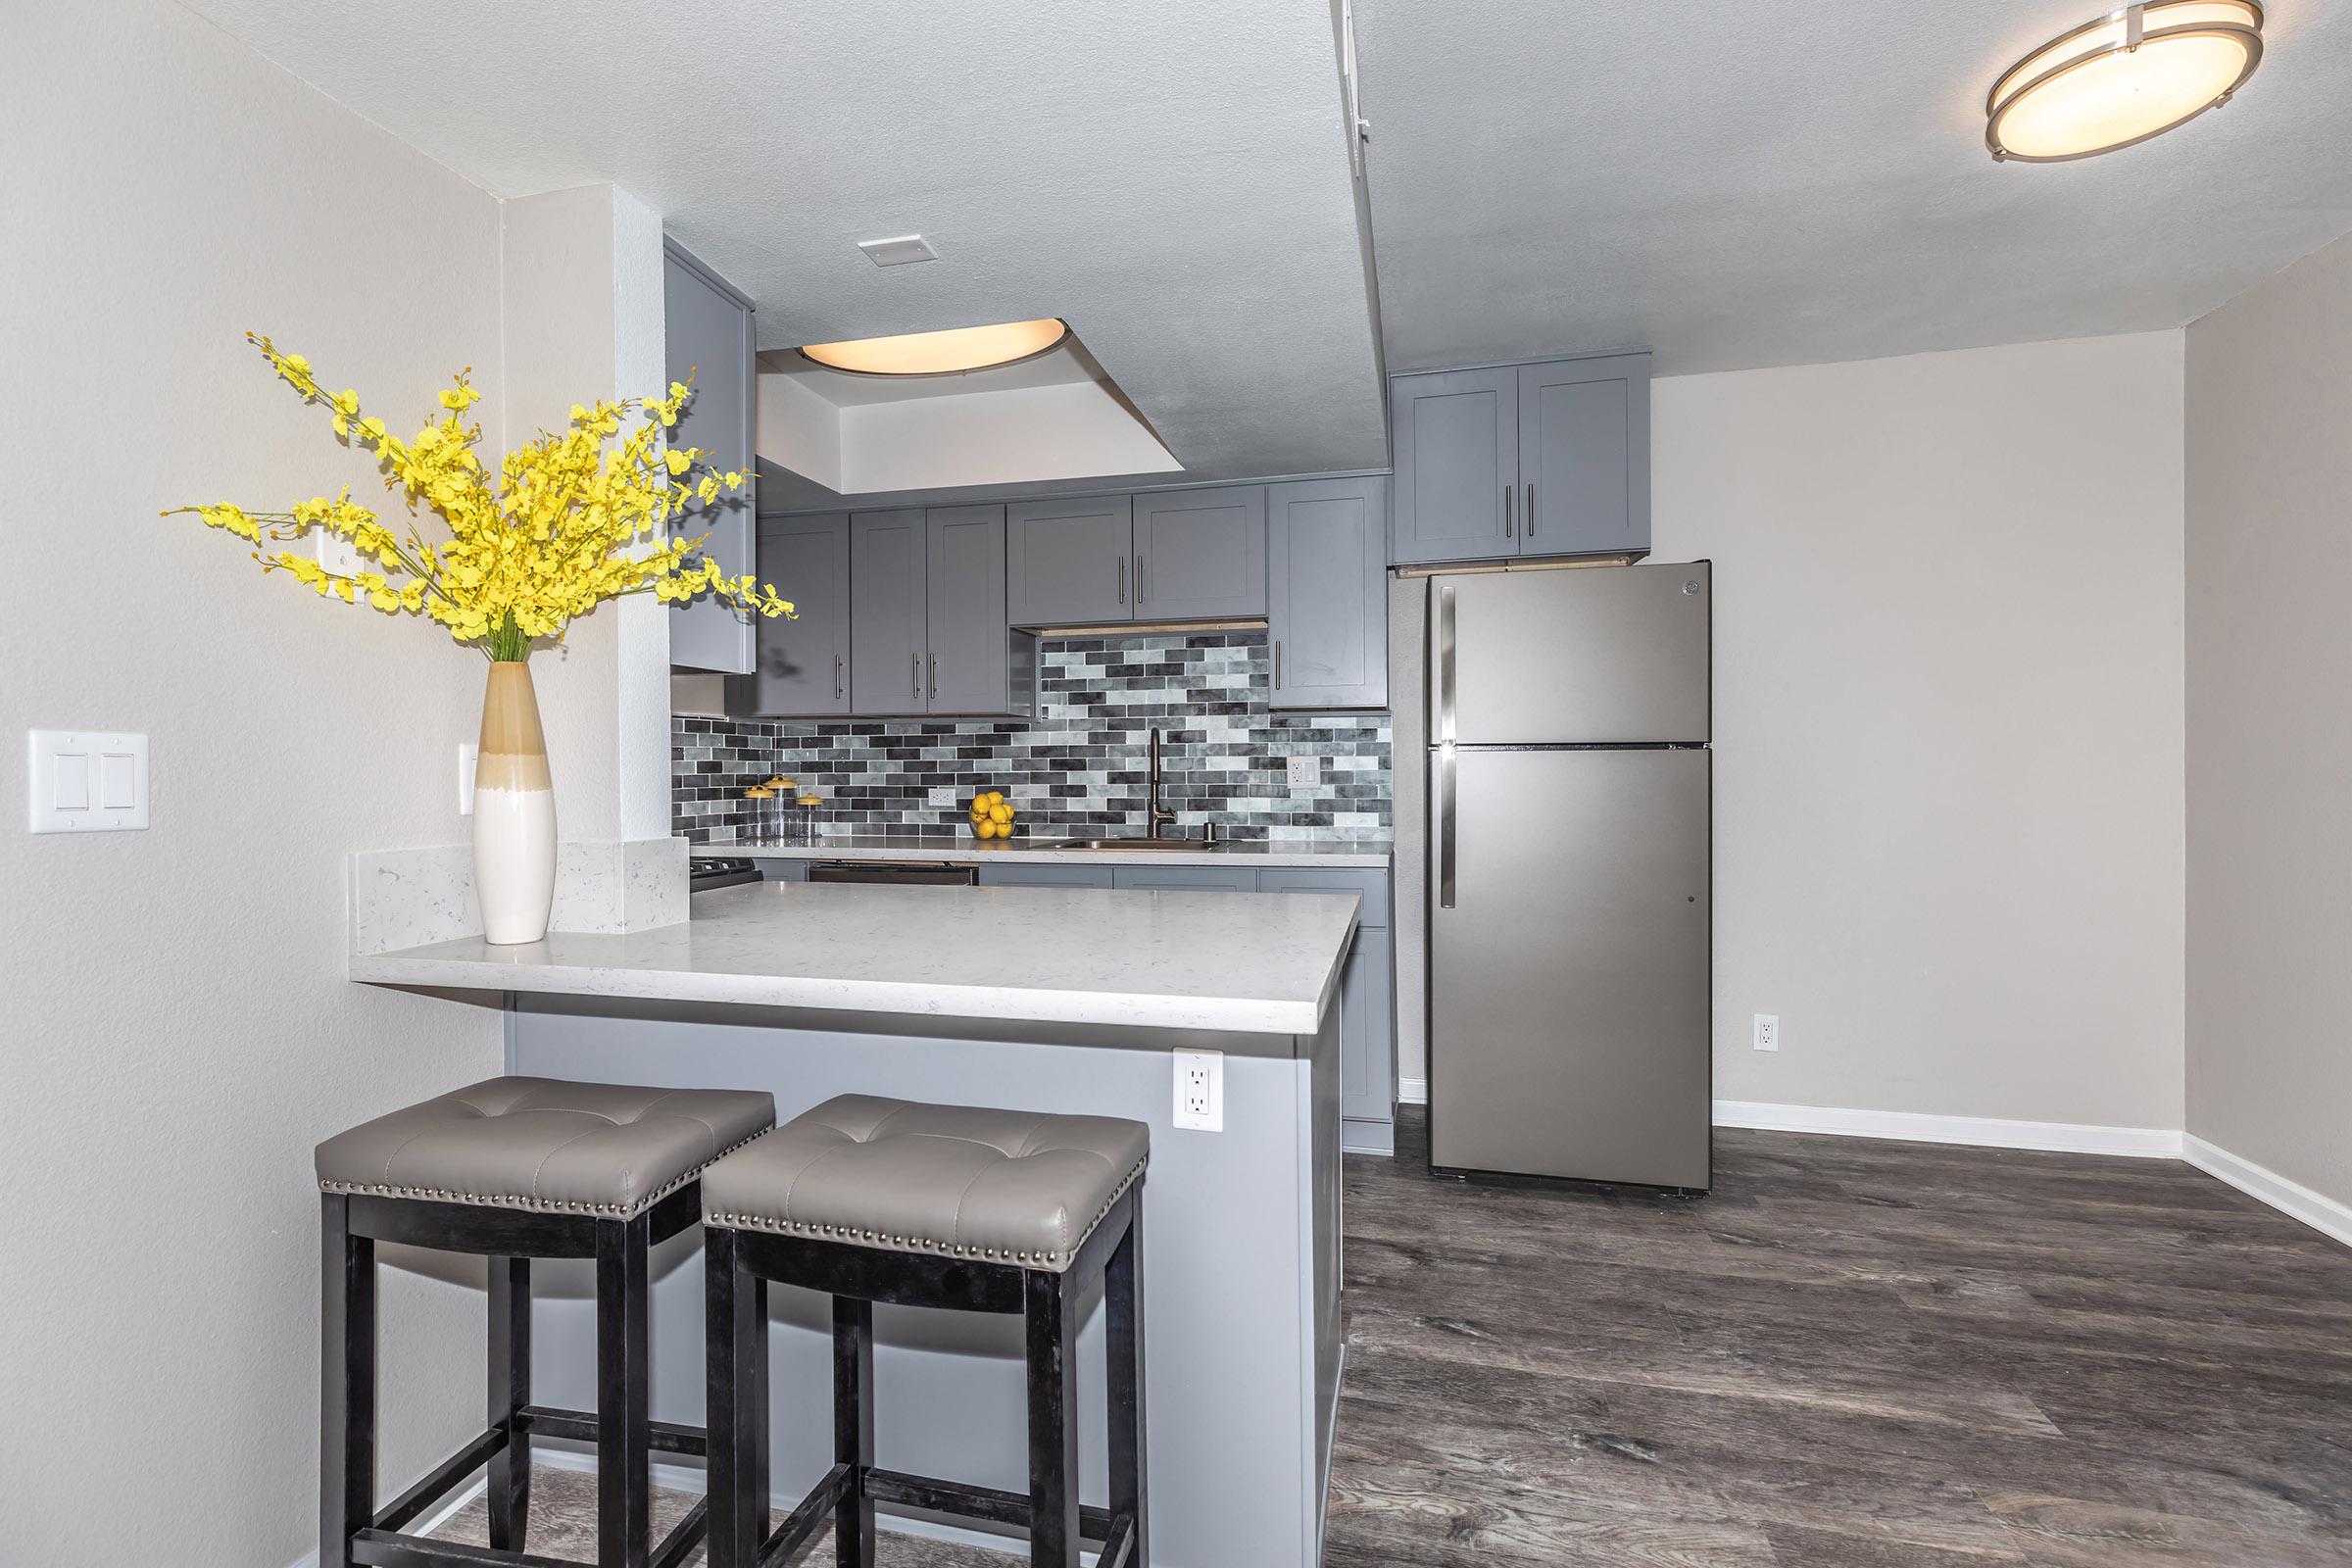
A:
(1079, 763)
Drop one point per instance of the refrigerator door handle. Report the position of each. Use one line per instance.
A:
(1445, 612)
(1445, 816)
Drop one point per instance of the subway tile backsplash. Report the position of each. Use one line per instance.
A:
(1079, 765)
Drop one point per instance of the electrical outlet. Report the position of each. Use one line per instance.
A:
(1305, 773)
(1768, 1031)
(1201, 1090)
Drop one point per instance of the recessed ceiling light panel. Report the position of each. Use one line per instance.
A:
(2133, 74)
(950, 353)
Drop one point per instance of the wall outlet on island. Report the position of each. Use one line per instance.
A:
(1305, 773)
(1201, 1090)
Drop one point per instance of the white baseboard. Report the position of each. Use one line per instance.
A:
(423, 1527)
(1985, 1132)
(1412, 1090)
(2290, 1197)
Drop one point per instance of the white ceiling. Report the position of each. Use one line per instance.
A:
(1171, 180)
(1734, 183)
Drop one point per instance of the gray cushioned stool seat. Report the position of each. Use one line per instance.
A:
(1016, 1187)
(545, 1145)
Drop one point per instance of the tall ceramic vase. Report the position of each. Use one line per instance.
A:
(514, 811)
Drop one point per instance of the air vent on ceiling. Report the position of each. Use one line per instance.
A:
(899, 251)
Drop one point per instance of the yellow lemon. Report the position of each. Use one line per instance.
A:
(996, 796)
(990, 830)
(1000, 812)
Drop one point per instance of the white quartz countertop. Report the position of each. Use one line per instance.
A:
(1337, 853)
(1268, 964)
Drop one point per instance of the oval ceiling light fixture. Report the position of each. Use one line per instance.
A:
(2133, 74)
(950, 353)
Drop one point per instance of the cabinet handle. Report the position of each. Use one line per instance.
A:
(1506, 511)
(1530, 509)
(1139, 579)
(918, 661)
(837, 676)
(1278, 664)
(1122, 579)
(935, 674)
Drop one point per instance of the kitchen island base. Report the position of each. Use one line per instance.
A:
(1241, 1263)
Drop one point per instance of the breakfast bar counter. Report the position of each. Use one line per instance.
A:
(1055, 999)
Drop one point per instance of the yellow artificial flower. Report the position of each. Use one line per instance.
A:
(567, 521)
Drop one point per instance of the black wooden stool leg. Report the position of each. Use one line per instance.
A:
(762, 1416)
(346, 1382)
(1123, 1360)
(854, 1429)
(624, 1395)
(510, 1478)
(736, 1336)
(1051, 1318)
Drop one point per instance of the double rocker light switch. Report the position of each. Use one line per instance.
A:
(87, 782)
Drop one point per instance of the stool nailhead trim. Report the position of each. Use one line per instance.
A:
(544, 1205)
(914, 1244)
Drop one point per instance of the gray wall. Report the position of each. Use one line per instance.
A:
(1947, 723)
(2270, 749)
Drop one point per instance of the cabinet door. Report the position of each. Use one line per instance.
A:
(1584, 456)
(967, 669)
(1454, 437)
(1068, 561)
(1200, 554)
(889, 564)
(708, 328)
(1032, 875)
(1327, 611)
(1368, 1031)
(804, 662)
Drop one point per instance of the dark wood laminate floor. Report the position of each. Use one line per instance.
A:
(1853, 1354)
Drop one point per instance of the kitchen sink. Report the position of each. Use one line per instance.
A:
(1125, 844)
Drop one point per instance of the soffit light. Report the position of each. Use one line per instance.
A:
(2133, 74)
(948, 352)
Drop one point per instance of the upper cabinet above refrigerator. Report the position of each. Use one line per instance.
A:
(1510, 462)
(708, 330)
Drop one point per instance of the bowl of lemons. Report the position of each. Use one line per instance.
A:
(992, 815)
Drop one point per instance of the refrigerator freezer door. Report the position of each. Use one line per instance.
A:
(1601, 655)
(1570, 983)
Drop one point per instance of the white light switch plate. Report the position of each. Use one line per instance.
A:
(470, 754)
(85, 781)
(1305, 773)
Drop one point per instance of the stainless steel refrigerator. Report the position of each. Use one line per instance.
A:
(1570, 864)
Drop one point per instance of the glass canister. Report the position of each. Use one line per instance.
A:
(758, 807)
(807, 811)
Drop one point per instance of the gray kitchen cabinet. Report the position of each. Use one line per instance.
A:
(1519, 461)
(966, 667)
(1367, 1004)
(1584, 456)
(1186, 878)
(890, 562)
(1200, 554)
(1327, 582)
(804, 662)
(707, 329)
(1453, 436)
(1069, 562)
(1368, 1047)
(1030, 874)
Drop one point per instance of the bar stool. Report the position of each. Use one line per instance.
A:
(874, 1199)
(514, 1169)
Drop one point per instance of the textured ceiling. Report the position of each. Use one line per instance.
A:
(1737, 184)
(1173, 179)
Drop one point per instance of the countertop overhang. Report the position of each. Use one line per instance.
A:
(1268, 964)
